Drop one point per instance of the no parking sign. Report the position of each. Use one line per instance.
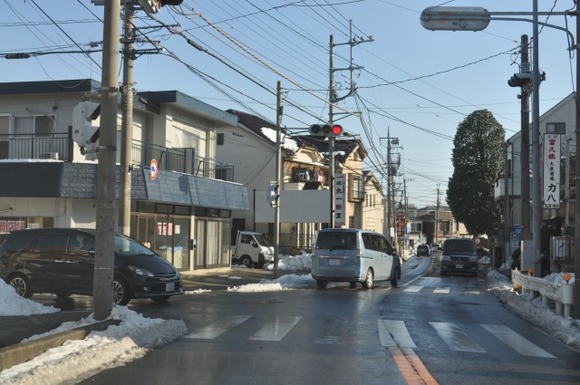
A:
(154, 169)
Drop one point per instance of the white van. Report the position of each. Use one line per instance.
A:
(354, 255)
(252, 248)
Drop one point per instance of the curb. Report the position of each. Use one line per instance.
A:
(24, 351)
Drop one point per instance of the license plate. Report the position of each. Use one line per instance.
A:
(459, 265)
(170, 286)
(334, 262)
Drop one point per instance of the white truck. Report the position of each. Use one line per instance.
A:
(252, 249)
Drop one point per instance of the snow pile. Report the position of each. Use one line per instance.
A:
(566, 330)
(301, 262)
(77, 360)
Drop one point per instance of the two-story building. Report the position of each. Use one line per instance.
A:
(185, 213)
(304, 188)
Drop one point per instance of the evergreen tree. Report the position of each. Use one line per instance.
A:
(478, 162)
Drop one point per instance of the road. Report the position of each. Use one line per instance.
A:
(429, 330)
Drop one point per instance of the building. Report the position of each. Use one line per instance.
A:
(184, 213)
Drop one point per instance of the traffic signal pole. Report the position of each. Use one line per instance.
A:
(279, 114)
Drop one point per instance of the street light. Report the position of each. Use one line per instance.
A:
(477, 19)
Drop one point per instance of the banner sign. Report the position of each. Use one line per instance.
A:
(551, 171)
(339, 199)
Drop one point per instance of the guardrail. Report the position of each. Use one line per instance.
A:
(561, 295)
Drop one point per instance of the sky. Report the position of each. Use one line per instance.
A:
(135, 334)
(411, 85)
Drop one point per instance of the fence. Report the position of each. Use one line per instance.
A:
(561, 295)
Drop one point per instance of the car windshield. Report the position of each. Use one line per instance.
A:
(456, 245)
(127, 246)
(263, 240)
(336, 240)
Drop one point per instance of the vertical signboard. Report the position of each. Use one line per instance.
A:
(551, 171)
(339, 199)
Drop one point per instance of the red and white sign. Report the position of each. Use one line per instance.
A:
(154, 169)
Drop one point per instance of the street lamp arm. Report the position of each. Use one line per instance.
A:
(570, 35)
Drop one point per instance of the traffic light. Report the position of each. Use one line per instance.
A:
(153, 6)
(273, 193)
(520, 79)
(325, 130)
(84, 133)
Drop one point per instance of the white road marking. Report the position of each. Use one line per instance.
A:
(442, 290)
(455, 338)
(516, 341)
(218, 327)
(276, 329)
(394, 334)
(413, 289)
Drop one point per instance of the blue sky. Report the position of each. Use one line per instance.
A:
(416, 84)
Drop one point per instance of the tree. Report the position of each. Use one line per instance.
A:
(477, 164)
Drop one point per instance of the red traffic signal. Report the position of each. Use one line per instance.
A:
(325, 130)
(336, 130)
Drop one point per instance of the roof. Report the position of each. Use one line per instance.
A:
(46, 87)
(201, 108)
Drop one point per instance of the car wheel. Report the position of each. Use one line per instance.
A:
(161, 299)
(321, 283)
(246, 261)
(395, 279)
(21, 284)
(368, 282)
(121, 292)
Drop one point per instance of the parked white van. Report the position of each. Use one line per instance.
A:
(354, 255)
(252, 248)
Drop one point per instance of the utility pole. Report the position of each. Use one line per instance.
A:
(389, 210)
(279, 179)
(333, 99)
(524, 81)
(127, 118)
(577, 209)
(437, 215)
(106, 214)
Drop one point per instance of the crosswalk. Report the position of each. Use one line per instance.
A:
(391, 334)
(439, 290)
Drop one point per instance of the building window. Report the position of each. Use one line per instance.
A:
(40, 125)
(220, 139)
(556, 128)
(356, 189)
(4, 125)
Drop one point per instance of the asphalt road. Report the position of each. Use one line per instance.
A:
(427, 331)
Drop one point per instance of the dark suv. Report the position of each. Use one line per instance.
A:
(61, 261)
(423, 251)
(459, 255)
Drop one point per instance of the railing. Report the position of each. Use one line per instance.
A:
(31, 146)
(561, 295)
(295, 242)
(60, 146)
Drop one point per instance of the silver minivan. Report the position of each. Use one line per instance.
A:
(354, 255)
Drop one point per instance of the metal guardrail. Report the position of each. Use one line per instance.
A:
(561, 295)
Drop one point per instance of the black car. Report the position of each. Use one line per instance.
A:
(423, 251)
(61, 261)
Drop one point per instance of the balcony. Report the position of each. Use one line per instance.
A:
(59, 146)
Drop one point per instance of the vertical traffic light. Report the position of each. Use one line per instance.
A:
(273, 193)
(84, 133)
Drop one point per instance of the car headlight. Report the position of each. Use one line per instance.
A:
(141, 271)
(446, 258)
(473, 259)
